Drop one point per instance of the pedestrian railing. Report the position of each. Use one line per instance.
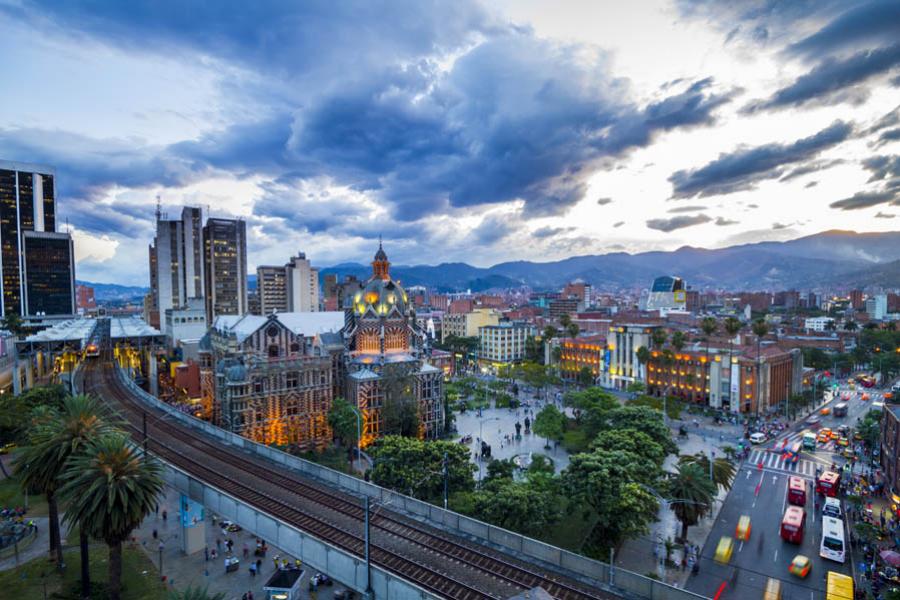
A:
(593, 572)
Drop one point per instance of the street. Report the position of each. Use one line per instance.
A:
(760, 492)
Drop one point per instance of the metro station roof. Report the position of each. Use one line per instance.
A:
(74, 331)
(131, 327)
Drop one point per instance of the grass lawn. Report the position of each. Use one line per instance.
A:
(139, 576)
(11, 496)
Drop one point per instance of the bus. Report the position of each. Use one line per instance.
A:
(840, 409)
(809, 440)
(792, 524)
(832, 546)
(828, 483)
(796, 491)
(838, 587)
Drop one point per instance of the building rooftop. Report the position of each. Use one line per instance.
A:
(71, 330)
(307, 324)
(124, 327)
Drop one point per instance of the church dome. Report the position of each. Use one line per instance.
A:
(381, 296)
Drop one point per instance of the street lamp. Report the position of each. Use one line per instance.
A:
(481, 438)
(358, 413)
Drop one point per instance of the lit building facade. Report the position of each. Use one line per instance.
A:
(503, 343)
(388, 376)
(583, 352)
(467, 324)
(225, 267)
(623, 342)
(274, 375)
(37, 263)
(271, 289)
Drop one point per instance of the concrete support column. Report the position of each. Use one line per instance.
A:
(153, 376)
(17, 379)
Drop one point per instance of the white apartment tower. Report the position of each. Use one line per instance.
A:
(176, 262)
(302, 284)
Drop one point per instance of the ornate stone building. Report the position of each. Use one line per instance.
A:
(388, 377)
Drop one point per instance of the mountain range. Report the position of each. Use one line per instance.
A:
(830, 258)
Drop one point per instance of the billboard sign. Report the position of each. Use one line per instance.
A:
(191, 512)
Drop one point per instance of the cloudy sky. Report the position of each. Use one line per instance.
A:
(460, 130)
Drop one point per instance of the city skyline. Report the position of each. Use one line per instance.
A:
(459, 132)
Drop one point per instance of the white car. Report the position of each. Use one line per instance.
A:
(757, 438)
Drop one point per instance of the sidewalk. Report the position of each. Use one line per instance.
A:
(182, 571)
(39, 547)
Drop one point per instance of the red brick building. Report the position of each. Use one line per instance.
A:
(84, 297)
(577, 353)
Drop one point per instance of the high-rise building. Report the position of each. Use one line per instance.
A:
(37, 264)
(84, 297)
(225, 267)
(876, 306)
(857, 302)
(291, 288)
(176, 262)
(271, 287)
(302, 282)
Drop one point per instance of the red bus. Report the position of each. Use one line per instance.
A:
(828, 483)
(792, 524)
(796, 491)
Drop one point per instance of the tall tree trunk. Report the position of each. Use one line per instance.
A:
(85, 565)
(115, 571)
(684, 530)
(53, 525)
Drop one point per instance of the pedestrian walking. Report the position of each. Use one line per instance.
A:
(218, 544)
(155, 534)
(165, 516)
(252, 569)
(259, 565)
(246, 551)
(206, 553)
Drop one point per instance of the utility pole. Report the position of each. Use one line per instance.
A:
(446, 477)
(144, 421)
(369, 591)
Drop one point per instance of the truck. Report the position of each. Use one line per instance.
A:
(809, 440)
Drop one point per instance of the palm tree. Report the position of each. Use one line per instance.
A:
(850, 326)
(643, 356)
(110, 488)
(830, 325)
(196, 593)
(732, 327)
(760, 329)
(692, 492)
(709, 326)
(57, 433)
(723, 470)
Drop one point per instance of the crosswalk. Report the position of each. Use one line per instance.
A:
(774, 460)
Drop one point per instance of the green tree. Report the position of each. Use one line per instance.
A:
(519, 507)
(585, 377)
(549, 333)
(342, 419)
(16, 411)
(611, 483)
(549, 423)
(869, 429)
(732, 326)
(110, 488)
(500, 469)
(709, 325)
(647, 420)
(678, 340)
(723, 470)
(692, 493)
(850, 326)
(399, 411)
(636, 387)
(760, 329)
(533, 350)
(416, 467)
(658, 338)
(630, 440)
(12, 323)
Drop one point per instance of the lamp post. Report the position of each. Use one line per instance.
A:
(358, 413)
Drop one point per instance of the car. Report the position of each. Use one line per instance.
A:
(724, 550)
(864, 397)
(814, 421)
(834, 435)
(7, 448)
(800, 566)
(757, 437)
(742, 531)
(857, 436)
(825, 411)
(230, 526)
(824, 436)
(842, 441)
(848, 453)
(844, 430)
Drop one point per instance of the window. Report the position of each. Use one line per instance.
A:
(274, 351)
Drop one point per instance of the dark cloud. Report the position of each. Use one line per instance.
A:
(492, 229)
(882, 167)
(674, 223)
(604, 201)
(776, 226)
(866, 24)
(686, 209)
(723, 222)
(745, 167)
(867, 199)
(545, 232)
(811, 184)
(891, 135)
(811, 167)
(882, 215)
(833, 80)
(618, 224)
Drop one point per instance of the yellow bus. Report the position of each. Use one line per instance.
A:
(838, 587)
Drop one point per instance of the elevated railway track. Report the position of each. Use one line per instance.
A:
(444, 565)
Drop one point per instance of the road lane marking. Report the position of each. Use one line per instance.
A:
(776, 555)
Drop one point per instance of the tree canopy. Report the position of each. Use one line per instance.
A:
(549, 423)
(413, 466)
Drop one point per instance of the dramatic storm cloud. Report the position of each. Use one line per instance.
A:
(459, 131)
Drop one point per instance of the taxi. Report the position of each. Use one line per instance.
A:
(834, 435)
(742, 531)
(848, 453)
(857, 436)
(824, 435)
(864, 397)
(800, 566)
(825, 411)
(842, 441)
(724, 550)
(773, 589)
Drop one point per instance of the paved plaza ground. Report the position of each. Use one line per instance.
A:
(183, 570)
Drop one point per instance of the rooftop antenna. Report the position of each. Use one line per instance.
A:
(158, 207)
